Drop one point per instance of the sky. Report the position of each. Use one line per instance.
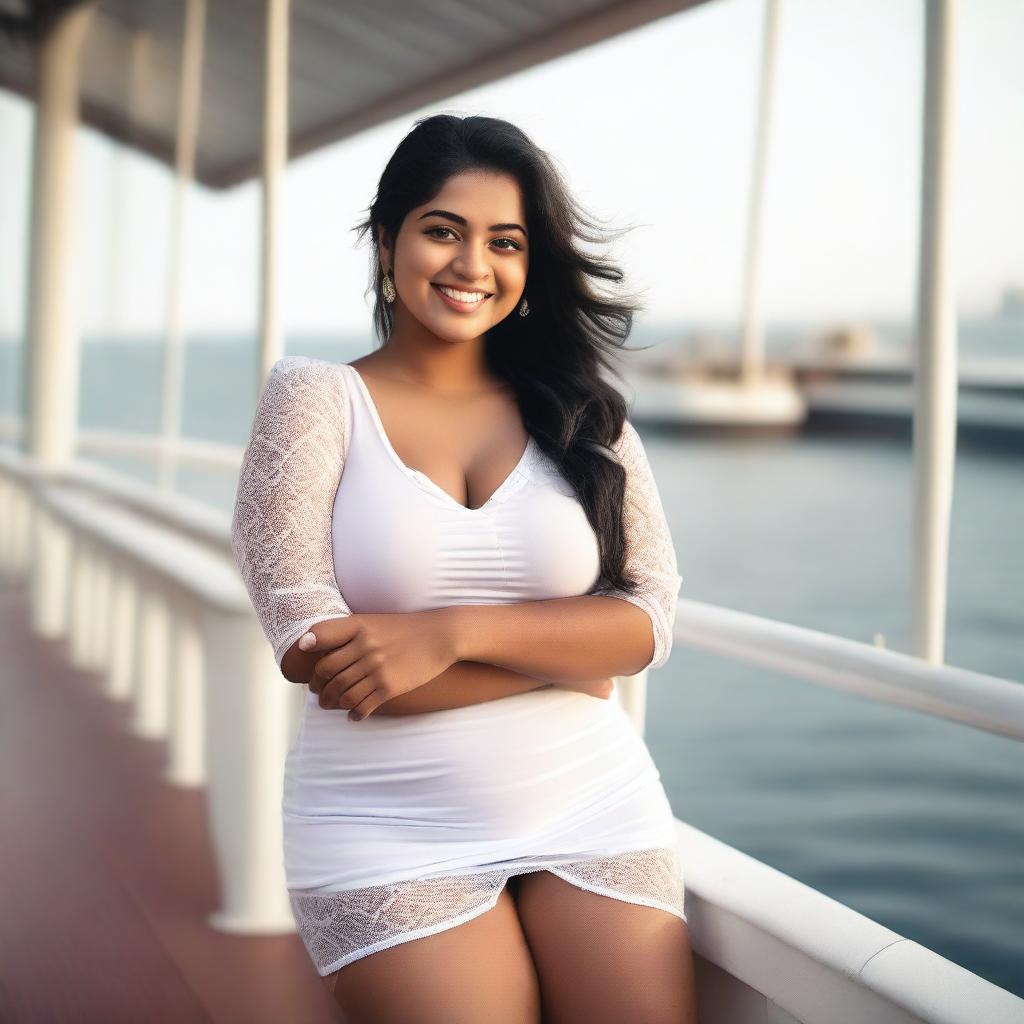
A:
(653, 130)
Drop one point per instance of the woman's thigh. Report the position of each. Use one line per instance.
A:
(477, 971)
(601, 960)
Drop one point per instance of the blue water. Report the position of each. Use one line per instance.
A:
(915, 822)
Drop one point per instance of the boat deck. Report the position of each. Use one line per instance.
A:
(106, 870)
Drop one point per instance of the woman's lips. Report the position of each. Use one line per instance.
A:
(462, 307)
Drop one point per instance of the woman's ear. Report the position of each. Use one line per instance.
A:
(383, 244)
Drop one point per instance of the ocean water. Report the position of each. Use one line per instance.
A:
(915, 822)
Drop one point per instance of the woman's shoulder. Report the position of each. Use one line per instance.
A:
(305, 375)
(314, 389)
(306, 367)
(627, 441)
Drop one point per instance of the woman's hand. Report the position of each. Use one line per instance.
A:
(374, 657)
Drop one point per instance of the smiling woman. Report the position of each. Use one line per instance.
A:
(477, 458)
(467, 265)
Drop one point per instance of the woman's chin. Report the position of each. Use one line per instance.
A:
(465, 330)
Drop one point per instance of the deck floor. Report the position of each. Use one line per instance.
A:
(106, 871)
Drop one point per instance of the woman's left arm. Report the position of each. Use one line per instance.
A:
(606, 632)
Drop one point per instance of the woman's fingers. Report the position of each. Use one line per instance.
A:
(366, 706)
(347, 688)
(330, 666)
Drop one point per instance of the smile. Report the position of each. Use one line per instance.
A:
(463, 301)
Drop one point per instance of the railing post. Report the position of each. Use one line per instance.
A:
(251, 711)
(50, 572)
(14, 527)
(186, 750)
(97, 647)
(123, 630)
(79, 599)
(152, 668)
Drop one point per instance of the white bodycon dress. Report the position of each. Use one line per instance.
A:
(397, 827)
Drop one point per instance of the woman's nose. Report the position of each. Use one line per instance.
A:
(472, 267)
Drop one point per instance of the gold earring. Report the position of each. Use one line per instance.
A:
(389, 288)
(524, 307)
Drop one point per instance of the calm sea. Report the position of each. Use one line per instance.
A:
(916, 822)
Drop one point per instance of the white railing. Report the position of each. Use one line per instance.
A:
(772, 950)
(888, 677)
(143, 585)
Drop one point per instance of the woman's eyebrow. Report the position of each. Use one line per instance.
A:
(447, 214)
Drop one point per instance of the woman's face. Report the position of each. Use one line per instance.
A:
(471, 237)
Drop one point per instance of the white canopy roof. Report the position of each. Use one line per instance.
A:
(353, 64)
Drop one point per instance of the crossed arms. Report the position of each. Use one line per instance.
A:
(574, 643)
(281, 541)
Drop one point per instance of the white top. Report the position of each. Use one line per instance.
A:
(402, 543)
(281, 530)
(326, 508)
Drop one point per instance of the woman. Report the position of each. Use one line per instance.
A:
(455, 541)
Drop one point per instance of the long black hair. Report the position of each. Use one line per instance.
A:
(554, 357)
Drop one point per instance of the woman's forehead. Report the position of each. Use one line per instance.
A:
(479, 195)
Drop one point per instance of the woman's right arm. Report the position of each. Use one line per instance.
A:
(281, 524)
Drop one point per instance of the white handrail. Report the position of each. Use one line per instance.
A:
(791, 953)
(959, 695)
(888, 677)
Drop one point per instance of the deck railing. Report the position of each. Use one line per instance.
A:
(143, 586)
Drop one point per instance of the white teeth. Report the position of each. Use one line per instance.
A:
(462, 296)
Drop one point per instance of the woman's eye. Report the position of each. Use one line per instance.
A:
(513, 244)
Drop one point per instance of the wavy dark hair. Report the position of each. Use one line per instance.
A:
(554, 358)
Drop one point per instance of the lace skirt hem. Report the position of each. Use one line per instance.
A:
(340, 927)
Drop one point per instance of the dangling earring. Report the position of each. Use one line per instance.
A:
(389, 288)
(524, 307)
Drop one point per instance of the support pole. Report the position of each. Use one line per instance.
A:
(752, 329)
(185, 162)
(275, 157)
(935, 372)
(52, 347)
(122, 180)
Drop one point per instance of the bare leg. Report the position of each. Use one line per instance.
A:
(477, 971)
(601, 960)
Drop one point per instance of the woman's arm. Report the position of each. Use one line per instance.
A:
(461, 684)
(607, 632)
(472, 682)
(281, 523)
(562, 640)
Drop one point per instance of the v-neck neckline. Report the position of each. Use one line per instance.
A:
(499, 493)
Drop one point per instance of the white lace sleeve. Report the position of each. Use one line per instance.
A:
(650, 554)
(281, 526)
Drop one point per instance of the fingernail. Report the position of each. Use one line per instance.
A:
(307, 640)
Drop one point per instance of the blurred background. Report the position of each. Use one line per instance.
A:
(771, 161)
